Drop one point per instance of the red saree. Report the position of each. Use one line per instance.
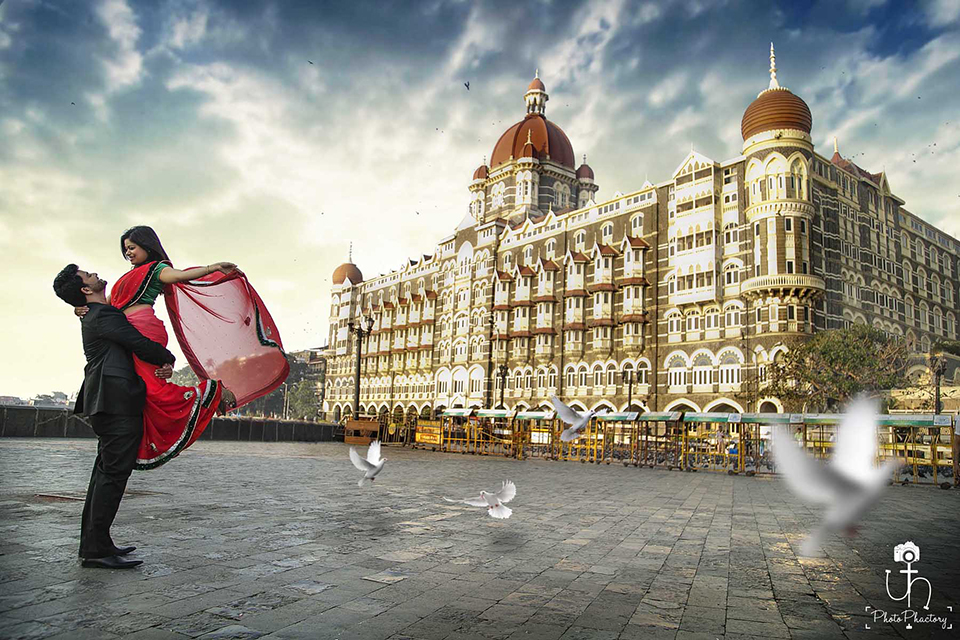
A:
(212, 320)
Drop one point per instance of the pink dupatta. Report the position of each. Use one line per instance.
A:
(227, 334)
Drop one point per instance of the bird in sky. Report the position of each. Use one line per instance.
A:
(577, 421)
(310, 61)
(371, 465)
(467, 85)
(494, 502)
(848, 485)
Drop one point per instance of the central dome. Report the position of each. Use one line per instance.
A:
(548, 140)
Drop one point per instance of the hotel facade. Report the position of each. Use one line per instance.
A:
(675, 296)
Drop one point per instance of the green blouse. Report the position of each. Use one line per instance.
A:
(154, 286)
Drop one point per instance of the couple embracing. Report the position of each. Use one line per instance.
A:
(141, 419)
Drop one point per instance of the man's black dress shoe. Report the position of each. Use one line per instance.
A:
(110, 562)
(122, 551)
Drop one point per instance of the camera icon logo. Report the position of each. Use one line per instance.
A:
(906, 552)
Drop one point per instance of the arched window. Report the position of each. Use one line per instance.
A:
(550, 251)
(702, 370)
(606, 233)
(528, 256)
(579, 240)
(677, 369)
(636, 226)
(643, 373)
(583, 377)
(729, 368)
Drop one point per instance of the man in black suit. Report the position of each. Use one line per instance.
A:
(112, 396)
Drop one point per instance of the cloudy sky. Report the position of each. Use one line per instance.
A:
(207, 120)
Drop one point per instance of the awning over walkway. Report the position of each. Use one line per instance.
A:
(493, 413)
(623, 416)
(535, 415)
(458, 413)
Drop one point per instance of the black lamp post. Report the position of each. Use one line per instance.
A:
(487, 402)
(628, 380)
(938, 365)
(362, 330)
(502, 371)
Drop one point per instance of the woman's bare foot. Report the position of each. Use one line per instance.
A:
(228, 401)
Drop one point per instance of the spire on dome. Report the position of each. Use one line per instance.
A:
(773, 70)
(350, 253)
(835, 148)
(529, 132)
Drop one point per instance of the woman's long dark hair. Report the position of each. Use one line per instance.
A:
(146, 238)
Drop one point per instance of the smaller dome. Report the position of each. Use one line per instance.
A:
(584, 171)
(347, 270)
(536, 85)
(481, 173)
(529, 151)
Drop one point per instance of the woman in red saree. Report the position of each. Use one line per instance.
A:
(211, 309)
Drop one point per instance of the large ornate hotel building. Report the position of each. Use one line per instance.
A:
(693, 285)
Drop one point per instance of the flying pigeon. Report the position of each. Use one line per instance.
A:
(577, 421)
(848, 485)
(467, 85)
(494, 502)
(371, 466)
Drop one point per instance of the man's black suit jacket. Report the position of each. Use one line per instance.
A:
(111, 384)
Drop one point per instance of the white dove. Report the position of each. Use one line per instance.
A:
(848, 485)
(577, 421)
(494, 502)
(371, 466)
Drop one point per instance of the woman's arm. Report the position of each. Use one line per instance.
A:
(173, 276)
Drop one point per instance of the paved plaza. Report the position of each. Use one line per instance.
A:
(251, 540)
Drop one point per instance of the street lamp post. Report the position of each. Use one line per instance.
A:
(939, 366)
(502, 371)
(362, 330)
(628, 380)
(284, 412)
(487, 402)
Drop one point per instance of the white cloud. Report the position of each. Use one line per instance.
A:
(125, 67)
(941, 13)
(668, 89)
(188, 31)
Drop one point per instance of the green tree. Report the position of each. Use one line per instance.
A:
(302, 400)
(184, 377)
(826, 370)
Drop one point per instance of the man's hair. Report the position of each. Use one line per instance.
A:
(67, 285)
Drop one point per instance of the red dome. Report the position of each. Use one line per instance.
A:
(347, 270)
(536, 85)
(546, 137)
(481, 173)
(585, 171)
(776, 109)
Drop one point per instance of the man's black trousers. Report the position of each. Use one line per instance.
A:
(119, 438)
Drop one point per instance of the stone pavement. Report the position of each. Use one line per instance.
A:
(252, 540)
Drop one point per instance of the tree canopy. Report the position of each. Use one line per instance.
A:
(828, 369)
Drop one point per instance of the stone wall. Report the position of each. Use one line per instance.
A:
(34, 422)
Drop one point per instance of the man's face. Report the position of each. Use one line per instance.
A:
(92, 281)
